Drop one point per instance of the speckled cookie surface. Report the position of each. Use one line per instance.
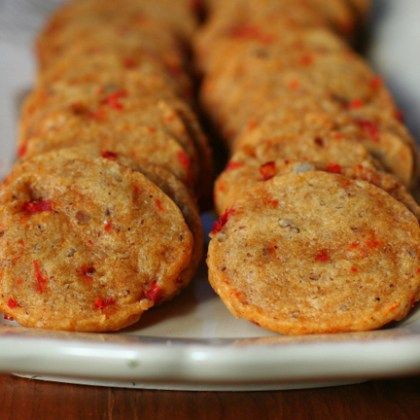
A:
(86, 244)
(141, 127)
(107, 65)
(316, 253)
(304, 144)
(386, 139)
(150, 24)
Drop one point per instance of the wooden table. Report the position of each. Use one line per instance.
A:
(28, 399)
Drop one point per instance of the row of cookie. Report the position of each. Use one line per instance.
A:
(98, 219)
(240, 19)
(317, 230)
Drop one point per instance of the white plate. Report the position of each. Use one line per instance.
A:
(193, 343)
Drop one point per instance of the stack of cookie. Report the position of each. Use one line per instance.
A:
(98, 220)
(318, 231)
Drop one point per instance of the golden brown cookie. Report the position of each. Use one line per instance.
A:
(141, 127)
(316, 253)
(305, 146)
(152, 24)
(384, 137)
(87, 244)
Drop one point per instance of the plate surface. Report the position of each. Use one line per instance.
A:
(193, 343)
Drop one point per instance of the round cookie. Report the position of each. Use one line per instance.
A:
(255, 43)
(242, 174)
(385, 138)
(86, 243)
(107, 65)
(141, 127)
(75, 23)
(316, 253)
(305, 145)
(247, 14)
(181, 196)
(172, 187)
(250, 86)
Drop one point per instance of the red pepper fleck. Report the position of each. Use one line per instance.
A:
(184, 159)
(355, 104)
(129, 63)
(322, 256)
(23, 148)
(151, 130)
(373, 243)
(294, 84)
(354, 245)
(394, 307)
(12, 303)
(108, 226)
(334, 168)
(232, 165)
(221, 186)
(345, 182)
(370, 128)
(103, 304)
(268, 170)
(159, 205)
(354, 270)
(37, 206)
(240, 296)
(87, 272)
(221, 222)
(306, 60)
(271, 202)
(8, 317)
(169, 118)
(136, 193)
(251, 32)
(252, 124)
(107, 154)
(154, 293)
(40, 279)
(114, 100)
(376, 82)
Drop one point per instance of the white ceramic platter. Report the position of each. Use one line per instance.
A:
(193, 343)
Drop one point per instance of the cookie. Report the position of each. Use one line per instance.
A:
(134, 34)
(87, 244)
(171, 186)
(139, 126)
(138, 142)
(181, 196)
(316, 253)
(385, 138)
(244, 172)
(312, 142)
(251, 83)
(81, 64)
(163, 18)
(255, 44)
